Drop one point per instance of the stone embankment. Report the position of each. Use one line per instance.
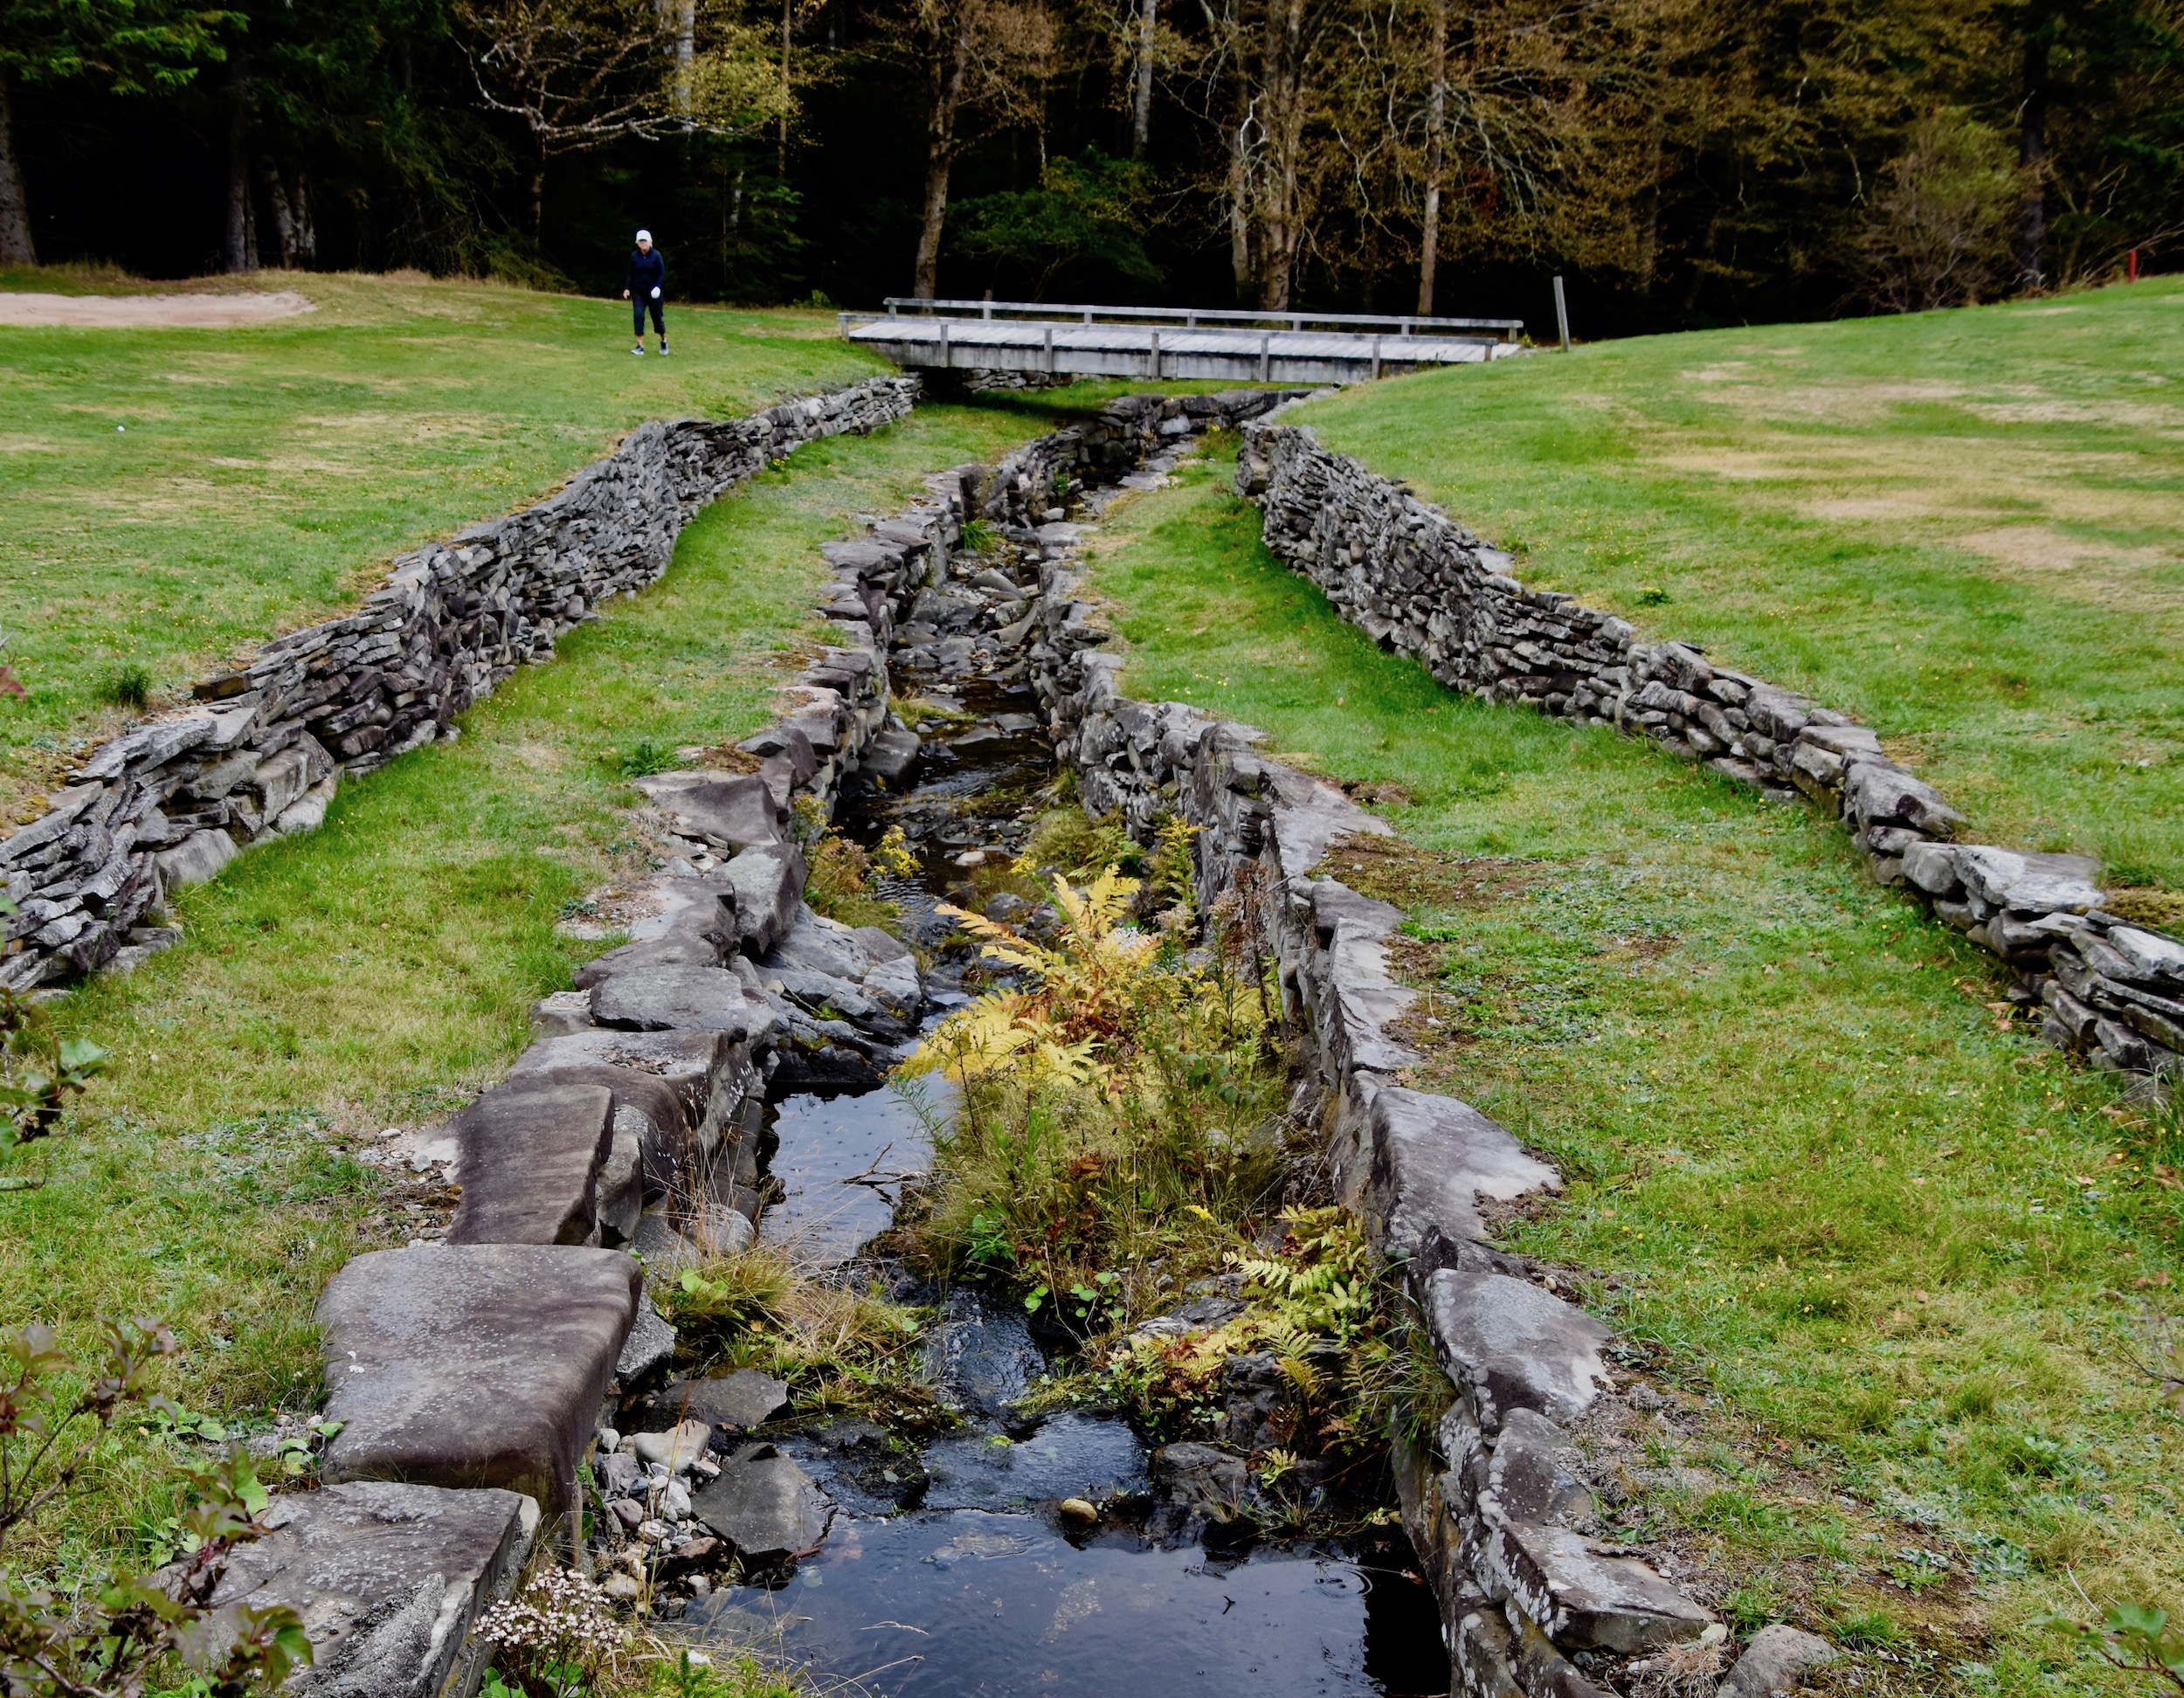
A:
(1422, 585)
(169, 804)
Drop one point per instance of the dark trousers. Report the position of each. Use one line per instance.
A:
(638, 303)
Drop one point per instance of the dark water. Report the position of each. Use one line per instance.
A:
(967, 1602)
(979, 1589)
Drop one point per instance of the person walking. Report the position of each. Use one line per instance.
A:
(642, 287)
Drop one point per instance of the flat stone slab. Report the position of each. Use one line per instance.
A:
(1509, 1345)
(1585, 1599)
(529, 1164)
(658, 1109)
(1432, 1159)
(767, 884)
(661, 998)
(732, 810)
(389, 1579)
(765, 1507)
(472, 1364)
(651, 1344)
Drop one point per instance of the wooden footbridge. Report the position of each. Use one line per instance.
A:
(1172, 342)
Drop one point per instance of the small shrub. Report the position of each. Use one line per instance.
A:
(128, 686)
(1868, 1630)
(1972, 1397)
(1064, 840)
(841, 886)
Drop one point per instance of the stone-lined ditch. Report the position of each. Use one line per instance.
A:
(717, 1080)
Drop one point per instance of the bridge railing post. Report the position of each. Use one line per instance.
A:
(1049, 361)
(944, 350)
(1154, 362)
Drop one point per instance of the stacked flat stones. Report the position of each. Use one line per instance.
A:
(168, 805)
(1422, 585)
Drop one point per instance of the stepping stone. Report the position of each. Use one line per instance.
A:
(658, 1107)
(889, 755)
(389, 1579)
(667, 999)
(472, 1364)
(765, 1507)
(529, 1164)
(709, 1071)
(769, 884)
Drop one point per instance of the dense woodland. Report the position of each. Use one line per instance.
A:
(1684, 162)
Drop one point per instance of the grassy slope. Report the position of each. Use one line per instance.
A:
(266, 474)
(1966, 528)
(1802, 1158)
(333, 984)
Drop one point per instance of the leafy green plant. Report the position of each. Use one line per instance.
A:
(644, 756)
(107, 1638)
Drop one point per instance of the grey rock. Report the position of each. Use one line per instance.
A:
(764, 1507)
(769, 885)
(733, 812)
(736, 1402)
(1587, 1599)
(1433, 1159)
(195, 859)
(985, 1358)
(1776, 1662)
(1536, 1476)
(1508, 1345)
(667, 998)
(2036, 883)
(650, 1345)
(617, 1473)
(816, 944)
(675, 949)
(2147, 956)
(1201, 1480)
(307, 812)
(472, 1366)
(889, 755)
(528, 1164)
(620, 1185)
(561, 1013)
(675, 1449)
(389, 1579)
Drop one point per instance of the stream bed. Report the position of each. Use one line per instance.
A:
(954, 1570)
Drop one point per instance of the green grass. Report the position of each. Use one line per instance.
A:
(368, 975)
(1806, 1164)
(1965, 528)
(174, 497)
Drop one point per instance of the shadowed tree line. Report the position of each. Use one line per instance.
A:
(1685, 161)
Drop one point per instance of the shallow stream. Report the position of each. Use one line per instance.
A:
(954, 1572)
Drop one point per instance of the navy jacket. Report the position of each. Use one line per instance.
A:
(647, 272)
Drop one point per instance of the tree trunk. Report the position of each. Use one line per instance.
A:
(15, 246)
(1436, 125)
(239, 246)
(307, 232)
(288, 231)
(538, 192)
(781, 142)
(2032, 226)
(1141, 103)
(1282, 87)
(940, 153)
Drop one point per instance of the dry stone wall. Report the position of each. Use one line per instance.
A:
(1422, 585)
(168, 805)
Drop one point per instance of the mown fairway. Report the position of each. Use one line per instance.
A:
(174, 497)
(1967, 528)
(1896, 1251)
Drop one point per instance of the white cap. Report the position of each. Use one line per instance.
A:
(644, 235)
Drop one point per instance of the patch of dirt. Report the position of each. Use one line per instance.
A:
(1391, 870)
(164, 312)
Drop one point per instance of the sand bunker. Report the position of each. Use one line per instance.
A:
(174, 312)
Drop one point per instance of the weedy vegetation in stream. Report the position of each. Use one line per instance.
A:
(1120, 1114)
(844, 883)
(840, 1349)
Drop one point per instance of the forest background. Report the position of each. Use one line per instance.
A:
(1685, 162)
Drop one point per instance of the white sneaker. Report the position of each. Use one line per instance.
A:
(639, 349)
(663, 347)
